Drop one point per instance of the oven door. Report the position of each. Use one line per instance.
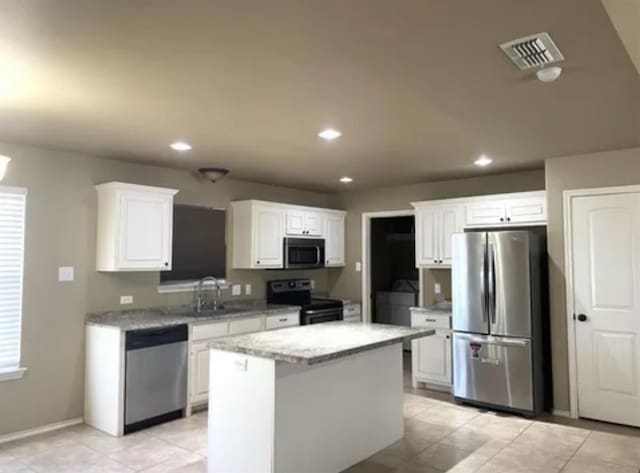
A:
(309, 317)
(303, 253)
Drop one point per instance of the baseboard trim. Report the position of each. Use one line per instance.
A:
(561, 413)
(40, 430)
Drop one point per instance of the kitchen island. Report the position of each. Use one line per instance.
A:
(313, 399)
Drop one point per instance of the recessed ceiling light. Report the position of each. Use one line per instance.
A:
(180, 146)
(346, 179)
(483, 161)
(330, 134)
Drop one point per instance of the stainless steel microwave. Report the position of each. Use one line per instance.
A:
(303, 253)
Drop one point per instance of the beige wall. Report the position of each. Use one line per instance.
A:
(612, 168)
(60, 231)
(347, 282)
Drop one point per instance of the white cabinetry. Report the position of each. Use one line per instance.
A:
(434, 226)
(334, 234)
(351, 312)
(202, 334)
(431, 356)
(257, 235)
(135, 227)
(304, 223)
(528, 208)
(258, 229)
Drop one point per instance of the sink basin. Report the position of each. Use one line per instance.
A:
(217, 311)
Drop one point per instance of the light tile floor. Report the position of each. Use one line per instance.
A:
(439, 436)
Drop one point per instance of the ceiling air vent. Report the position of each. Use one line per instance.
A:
(536, 50)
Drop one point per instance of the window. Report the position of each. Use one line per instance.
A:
(12, 214)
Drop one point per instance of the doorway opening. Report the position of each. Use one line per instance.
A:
(394, 277)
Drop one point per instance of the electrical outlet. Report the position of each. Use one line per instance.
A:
(65, 273)
(358, 266)
(313, 284)
(236, 290)
(247, 289)
(437, 288)
(126, 299)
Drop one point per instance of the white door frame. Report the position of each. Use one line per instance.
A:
(366, 257)
(568, 197)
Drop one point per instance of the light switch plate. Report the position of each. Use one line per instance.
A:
(126, 299)
(241, 365)
(65, 273)
(236, 289)
(358, 266)
(313, 284)
(247, 289)
(437, 288)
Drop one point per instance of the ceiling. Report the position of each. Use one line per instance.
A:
(418, 87)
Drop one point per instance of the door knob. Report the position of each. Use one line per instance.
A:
(582, 317)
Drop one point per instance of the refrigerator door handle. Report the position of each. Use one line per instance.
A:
(483, 287)
(493, 341)
(491, 276)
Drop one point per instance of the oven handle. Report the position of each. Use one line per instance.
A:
(322, 311)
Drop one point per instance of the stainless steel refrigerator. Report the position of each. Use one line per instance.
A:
(497, 346)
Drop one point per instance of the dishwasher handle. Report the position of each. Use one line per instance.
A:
(146, 338)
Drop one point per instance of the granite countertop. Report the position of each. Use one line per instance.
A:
(441, 309)
(136, 319)
(312, 344)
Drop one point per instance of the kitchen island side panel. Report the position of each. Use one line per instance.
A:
(332, 415)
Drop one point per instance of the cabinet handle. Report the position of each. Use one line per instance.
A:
(501, 219)
(435, 260)
(283, 320)
(258, 262)
(508, 219)
(448, 337)
(166, 263)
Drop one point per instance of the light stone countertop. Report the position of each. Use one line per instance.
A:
(317, 343)
(136, 319)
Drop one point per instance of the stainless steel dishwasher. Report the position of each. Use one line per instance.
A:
(155, 376)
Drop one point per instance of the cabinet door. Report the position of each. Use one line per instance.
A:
(426, 237)
(334, 240)
(268, 243)
(489, 212)
(433, 358)
(145, 231)
(295, 225)
(451, 221)
(199, 372)
(527, 210)
(313, 224)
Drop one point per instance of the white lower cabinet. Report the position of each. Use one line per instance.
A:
(202, 334)
(199, 372)
(431, 356)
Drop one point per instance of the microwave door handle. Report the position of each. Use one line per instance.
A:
(318, 255)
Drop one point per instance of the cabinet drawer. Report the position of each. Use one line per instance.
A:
(353, 318)
(253, 324)
(420, 319)
(351, 310)
(205, 331)
(282, 320)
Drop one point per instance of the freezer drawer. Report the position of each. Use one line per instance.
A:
(493, 370)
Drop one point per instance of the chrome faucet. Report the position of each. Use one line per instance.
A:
(201, 300)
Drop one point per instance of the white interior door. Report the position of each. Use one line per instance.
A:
(606, 268)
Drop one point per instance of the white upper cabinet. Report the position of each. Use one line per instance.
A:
(334, 239)
(304, 223)
(259, 228)
(257, 235)
(527, 208)
(434, 226)
(135, 227)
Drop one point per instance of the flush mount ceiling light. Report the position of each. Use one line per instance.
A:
(329, 134)
(180, 146)
(213, 174)
(549, 74)
(4, 162)
(346, 179)
(483, 161)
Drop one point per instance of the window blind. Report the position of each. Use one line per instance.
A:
(12, 217)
